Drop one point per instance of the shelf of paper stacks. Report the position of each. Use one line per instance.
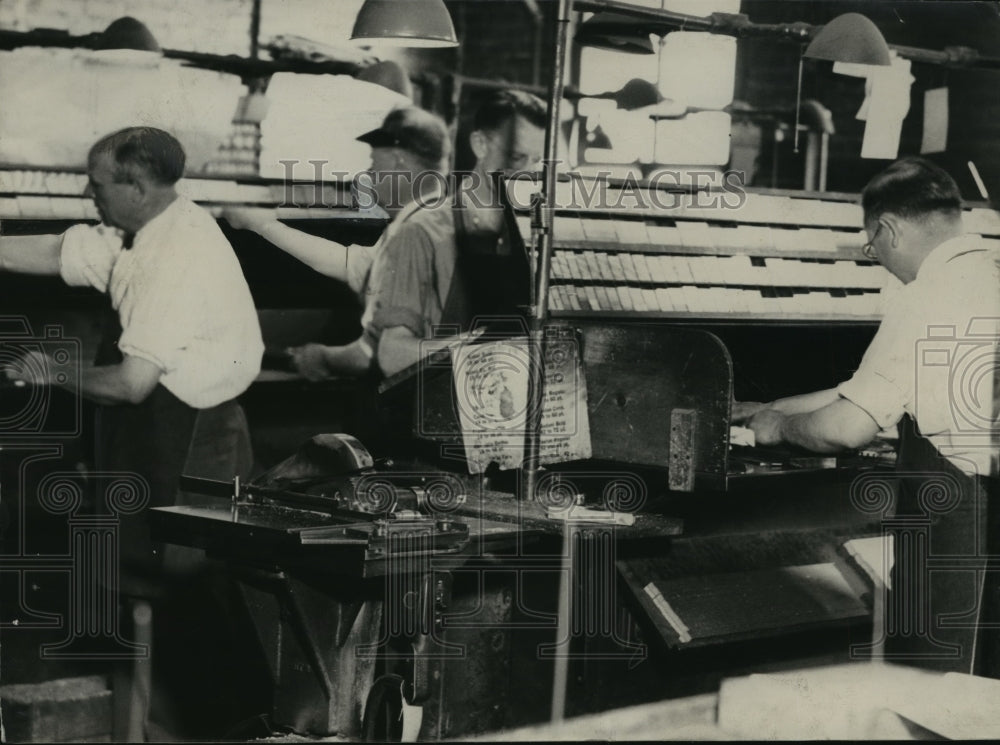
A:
(58, 102)
(860, 701)
(316, 118)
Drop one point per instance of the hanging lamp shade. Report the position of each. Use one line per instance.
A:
(405, 23)
(850, 37)
(616, 32)
(127, 33)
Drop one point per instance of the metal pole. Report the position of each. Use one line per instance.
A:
(536, 350)
(824, 160)
(560, 674)
(255, 29)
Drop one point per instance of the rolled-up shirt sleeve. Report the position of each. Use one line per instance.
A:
(401, 298)
(883, 384)
(359, 264)
(88, 254)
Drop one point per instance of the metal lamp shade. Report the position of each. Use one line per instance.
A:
(616, 32)
(405, 23)
(850, 37)
(127, 33)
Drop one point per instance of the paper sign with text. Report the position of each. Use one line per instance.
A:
(491, 389)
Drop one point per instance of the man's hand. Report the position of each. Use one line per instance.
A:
(766, 426)
(249, 218)
(743, 410)
(310, 361)
(35, 368)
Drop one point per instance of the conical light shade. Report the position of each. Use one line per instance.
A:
(615, 32)
(850, 37)
(127, 33)
(405, 23)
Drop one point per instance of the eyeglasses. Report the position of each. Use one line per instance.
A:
(869, 248)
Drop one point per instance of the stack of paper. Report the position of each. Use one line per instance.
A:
(58, 102)
(860, 702)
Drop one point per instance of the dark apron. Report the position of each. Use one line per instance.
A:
(942, 600)
(491, 279)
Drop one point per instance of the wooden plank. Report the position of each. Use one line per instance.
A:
(633, 233)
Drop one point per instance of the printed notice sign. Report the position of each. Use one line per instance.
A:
(491, 388)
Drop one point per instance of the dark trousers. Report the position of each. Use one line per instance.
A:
(151, 440)
(943, 598)
(198, 685)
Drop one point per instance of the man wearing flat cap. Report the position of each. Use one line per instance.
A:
(437, 265)
(409, 155)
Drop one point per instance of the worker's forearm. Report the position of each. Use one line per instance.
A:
(348, 360)
(111, 386)
(811, 431)
(325, 256)
(30, 254)
(806, 402)
(397, 351)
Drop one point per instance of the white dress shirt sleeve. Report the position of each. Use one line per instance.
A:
(883, 384)
(88, 255)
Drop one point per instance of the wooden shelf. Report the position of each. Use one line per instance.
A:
(698, 318)
(245, 67)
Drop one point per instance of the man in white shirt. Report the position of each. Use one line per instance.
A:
(190, 341)
(933, 368)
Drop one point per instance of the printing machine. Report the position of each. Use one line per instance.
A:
(398, 595)
(669, 534)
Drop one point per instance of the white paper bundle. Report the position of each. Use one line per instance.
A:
(54, 103)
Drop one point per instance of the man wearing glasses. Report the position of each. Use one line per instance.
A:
(931, 369)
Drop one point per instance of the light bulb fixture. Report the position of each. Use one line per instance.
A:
(404, 23)
(850, 37)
